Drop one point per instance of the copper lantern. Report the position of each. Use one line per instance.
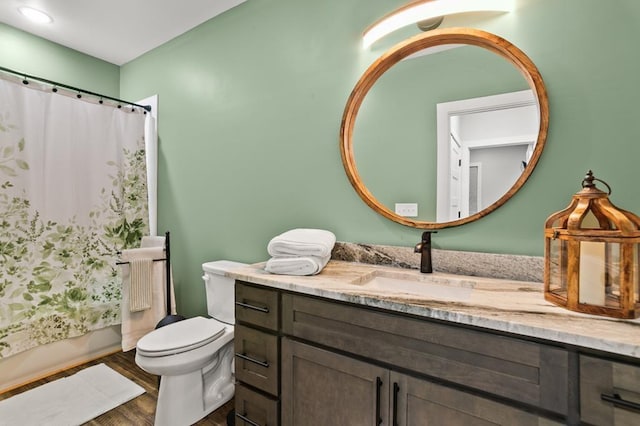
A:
(592, 256)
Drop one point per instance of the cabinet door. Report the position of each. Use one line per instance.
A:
(257, 306)
(256, 358)
(253, 408)
(321, 388)
(609, 392)
(416, 402)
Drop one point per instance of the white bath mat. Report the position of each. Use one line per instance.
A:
(71, 400)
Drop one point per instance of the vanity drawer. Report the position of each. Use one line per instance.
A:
(257, 306)
(516, 369)
(256, 358)
(253, 408)
(600, 381)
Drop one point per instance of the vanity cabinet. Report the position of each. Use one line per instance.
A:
(306, 360)
(609, 392)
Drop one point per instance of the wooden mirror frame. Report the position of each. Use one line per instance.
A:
(408, 47)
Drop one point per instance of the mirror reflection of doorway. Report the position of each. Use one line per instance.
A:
(496, 134)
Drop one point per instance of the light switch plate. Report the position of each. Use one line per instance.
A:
(407, 209)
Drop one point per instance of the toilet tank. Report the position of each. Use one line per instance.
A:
(220, 289)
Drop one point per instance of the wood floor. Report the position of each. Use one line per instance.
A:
(139, 411)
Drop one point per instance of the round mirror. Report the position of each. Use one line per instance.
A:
(451, 121)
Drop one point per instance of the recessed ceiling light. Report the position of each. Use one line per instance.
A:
(35, 15)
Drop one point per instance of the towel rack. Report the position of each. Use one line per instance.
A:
(166, 250)
(169, 318)
(126, 263)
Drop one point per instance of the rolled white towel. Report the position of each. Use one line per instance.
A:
(297, 265)
(302, 242)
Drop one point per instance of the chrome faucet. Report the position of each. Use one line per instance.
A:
(424, 248)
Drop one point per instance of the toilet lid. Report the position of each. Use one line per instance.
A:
(181, 336)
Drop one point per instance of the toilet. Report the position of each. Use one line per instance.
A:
(194, 357)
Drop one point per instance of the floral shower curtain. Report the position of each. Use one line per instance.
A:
(72, 194)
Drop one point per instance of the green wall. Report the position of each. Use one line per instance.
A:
(250, 109)
(23, 52)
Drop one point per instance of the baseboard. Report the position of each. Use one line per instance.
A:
(43, 361)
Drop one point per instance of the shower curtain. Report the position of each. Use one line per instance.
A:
(72, 194)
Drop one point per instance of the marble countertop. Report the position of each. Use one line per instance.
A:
(516, 307)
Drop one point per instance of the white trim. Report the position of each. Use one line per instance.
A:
(524, 139)
(151, 149)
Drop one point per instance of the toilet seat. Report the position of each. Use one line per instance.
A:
(180, 337)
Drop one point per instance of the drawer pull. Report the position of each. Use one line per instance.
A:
(378, 420)
(396, 389)
(617, 400)
(247, 420)
(263, 309)
(264, 364)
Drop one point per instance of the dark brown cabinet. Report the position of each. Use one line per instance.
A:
(304, 360)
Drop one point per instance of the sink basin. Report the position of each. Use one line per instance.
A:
(426, 286)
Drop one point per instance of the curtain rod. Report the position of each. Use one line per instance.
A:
(54, 83)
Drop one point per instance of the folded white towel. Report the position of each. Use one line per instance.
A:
(302, 242)
(298, 265)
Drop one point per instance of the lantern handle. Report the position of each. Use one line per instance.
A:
(589, 178)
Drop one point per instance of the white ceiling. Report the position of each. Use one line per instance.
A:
(116, 31)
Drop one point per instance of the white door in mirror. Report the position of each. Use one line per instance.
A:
(407, 209)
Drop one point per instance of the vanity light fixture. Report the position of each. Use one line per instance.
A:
(35, 15)
(592, 255)
(429, 11)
